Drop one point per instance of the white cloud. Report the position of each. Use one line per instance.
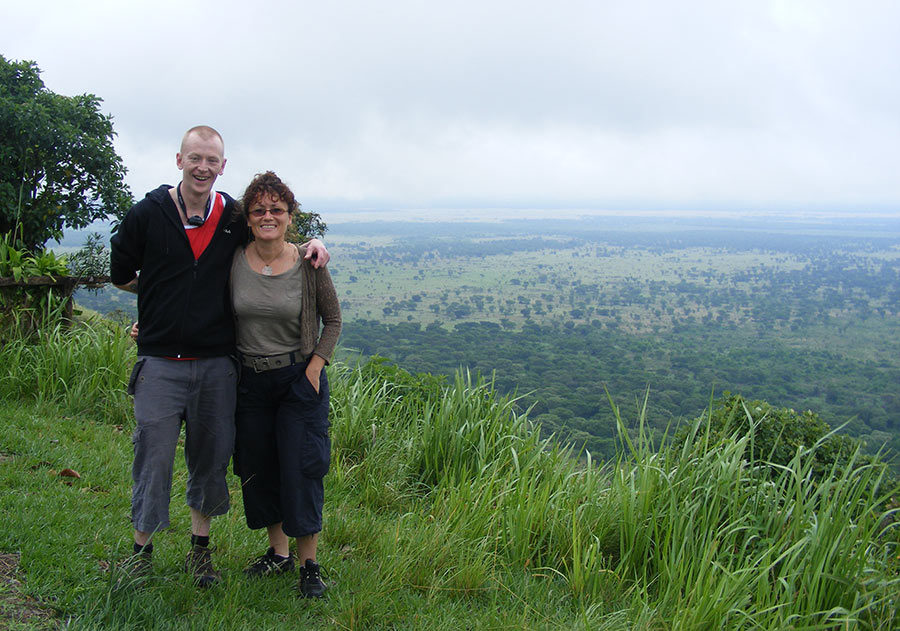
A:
(413, 102)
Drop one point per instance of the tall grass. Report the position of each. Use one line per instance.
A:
(446, 509)
(81, 365)
(713, 539)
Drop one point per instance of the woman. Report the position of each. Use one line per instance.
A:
(282, 447)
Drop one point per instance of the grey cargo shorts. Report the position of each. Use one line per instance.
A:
(200, 393)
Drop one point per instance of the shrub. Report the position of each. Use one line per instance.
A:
(776, 434)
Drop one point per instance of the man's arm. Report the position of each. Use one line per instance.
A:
(126, 252)
(131, 286)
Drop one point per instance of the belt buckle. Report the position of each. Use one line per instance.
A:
(260, 364)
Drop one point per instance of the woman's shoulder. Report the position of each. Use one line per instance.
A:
(239, 260)
(301, 256)
(238, 253)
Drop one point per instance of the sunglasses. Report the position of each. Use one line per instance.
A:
(261, 212)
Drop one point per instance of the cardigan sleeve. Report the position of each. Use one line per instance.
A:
(327, 310)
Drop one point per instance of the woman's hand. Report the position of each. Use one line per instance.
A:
(314, 371)
(134, 331)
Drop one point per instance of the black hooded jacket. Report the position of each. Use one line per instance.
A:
(183, 304)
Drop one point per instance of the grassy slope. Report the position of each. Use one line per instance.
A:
(443, 511)
(390, 562)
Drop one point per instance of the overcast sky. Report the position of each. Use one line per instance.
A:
(635, 103)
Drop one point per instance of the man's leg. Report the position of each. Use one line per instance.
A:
(209, 434)
(200, 523)
(158, 409)
(209, 443)
(199, 558)
(141, 538)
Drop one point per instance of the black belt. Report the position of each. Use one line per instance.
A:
(270, 362)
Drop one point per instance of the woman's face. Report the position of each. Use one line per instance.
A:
(268, 218)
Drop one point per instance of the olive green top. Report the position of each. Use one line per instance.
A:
(283, 312)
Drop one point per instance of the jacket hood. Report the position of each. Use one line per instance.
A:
(158, 194)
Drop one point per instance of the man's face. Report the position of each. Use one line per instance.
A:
(201, 161)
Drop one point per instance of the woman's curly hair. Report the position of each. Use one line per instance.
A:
(268, 184)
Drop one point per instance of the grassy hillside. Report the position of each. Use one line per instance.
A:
(444, 510)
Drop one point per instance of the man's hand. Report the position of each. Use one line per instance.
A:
(134, 331)
(316, 253)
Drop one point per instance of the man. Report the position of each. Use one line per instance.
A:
(181, 240)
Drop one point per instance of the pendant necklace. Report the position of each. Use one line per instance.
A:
(267, 266)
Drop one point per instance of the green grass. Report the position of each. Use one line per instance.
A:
(444, 510)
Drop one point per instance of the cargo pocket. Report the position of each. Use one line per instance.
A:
(315, 455)
(135, 373)
(139, 455)
(315, 447)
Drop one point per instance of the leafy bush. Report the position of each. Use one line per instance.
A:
(776, 434)
(92, 259)
(20, 264)
(23, 310)
(305, 226)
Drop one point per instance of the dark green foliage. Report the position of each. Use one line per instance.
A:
(23, 308)
(305, 226)
(423, 385)
(58, 167)
(562, 372)
(777, 434)
(92, 259)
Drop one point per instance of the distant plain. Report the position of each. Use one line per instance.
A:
(800, 309)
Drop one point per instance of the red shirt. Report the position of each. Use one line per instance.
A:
(202, 235)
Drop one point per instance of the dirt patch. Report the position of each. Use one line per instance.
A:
(14, 605)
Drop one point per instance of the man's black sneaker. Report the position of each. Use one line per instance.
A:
(311, 585)
(270, 564)
(199, 564)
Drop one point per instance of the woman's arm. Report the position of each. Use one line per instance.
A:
(328, 308)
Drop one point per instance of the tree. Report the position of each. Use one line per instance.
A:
(305, 225)
(58, 167)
